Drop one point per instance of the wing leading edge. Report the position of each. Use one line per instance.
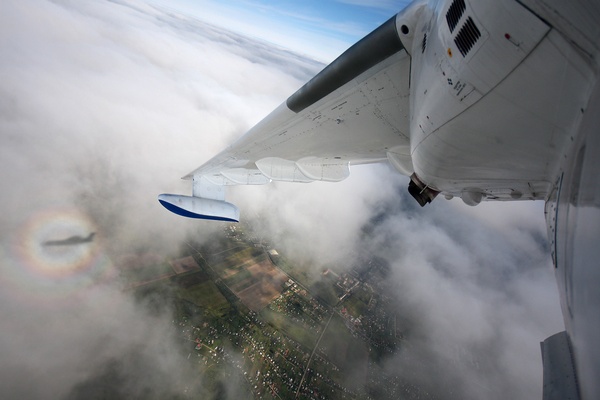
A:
(355, 111)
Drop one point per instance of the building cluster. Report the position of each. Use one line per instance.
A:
(276, 351)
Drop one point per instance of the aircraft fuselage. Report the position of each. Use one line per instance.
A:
(505, 105)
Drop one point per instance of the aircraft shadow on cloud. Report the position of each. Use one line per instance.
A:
(70, 241)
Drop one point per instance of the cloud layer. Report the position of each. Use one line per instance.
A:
(104, 105)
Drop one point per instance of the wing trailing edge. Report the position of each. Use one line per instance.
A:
(208, 191)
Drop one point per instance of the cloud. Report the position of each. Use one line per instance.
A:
(474, 286)
(483, 301)
(291, 25)
(389, 5)
(104, 105)
(55, 350)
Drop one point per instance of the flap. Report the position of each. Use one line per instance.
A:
(323, 169)
(279, 169)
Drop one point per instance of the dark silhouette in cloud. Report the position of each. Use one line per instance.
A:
(103, 105)
(70, 241)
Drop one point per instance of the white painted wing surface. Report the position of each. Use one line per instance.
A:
(355, 111)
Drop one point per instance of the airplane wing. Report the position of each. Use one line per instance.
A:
(500, 100)
(355, 111)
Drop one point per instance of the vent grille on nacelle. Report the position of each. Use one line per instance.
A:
(454, 13)
(424, 44)
(467, 37)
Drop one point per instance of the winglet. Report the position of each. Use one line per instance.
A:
(201, 208)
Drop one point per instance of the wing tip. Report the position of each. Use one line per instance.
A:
(200, 208)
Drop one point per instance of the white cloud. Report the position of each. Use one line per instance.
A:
(274, 25)
(475, 284)
(392, 5)
(104, 105)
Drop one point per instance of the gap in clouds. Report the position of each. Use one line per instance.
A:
(104, 105)
(473, 287)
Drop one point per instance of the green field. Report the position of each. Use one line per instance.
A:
(355, 305)
(342, 348)
(238, 277)
(327, 291)
(206, 295)
(294, 330)
(235, 258)
(301, 273)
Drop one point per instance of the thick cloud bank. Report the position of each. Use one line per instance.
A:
(104, 105)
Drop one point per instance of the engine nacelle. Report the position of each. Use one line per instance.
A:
(421, 192)
(199, 207)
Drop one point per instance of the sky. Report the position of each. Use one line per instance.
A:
(319, 29)
(104, 105)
